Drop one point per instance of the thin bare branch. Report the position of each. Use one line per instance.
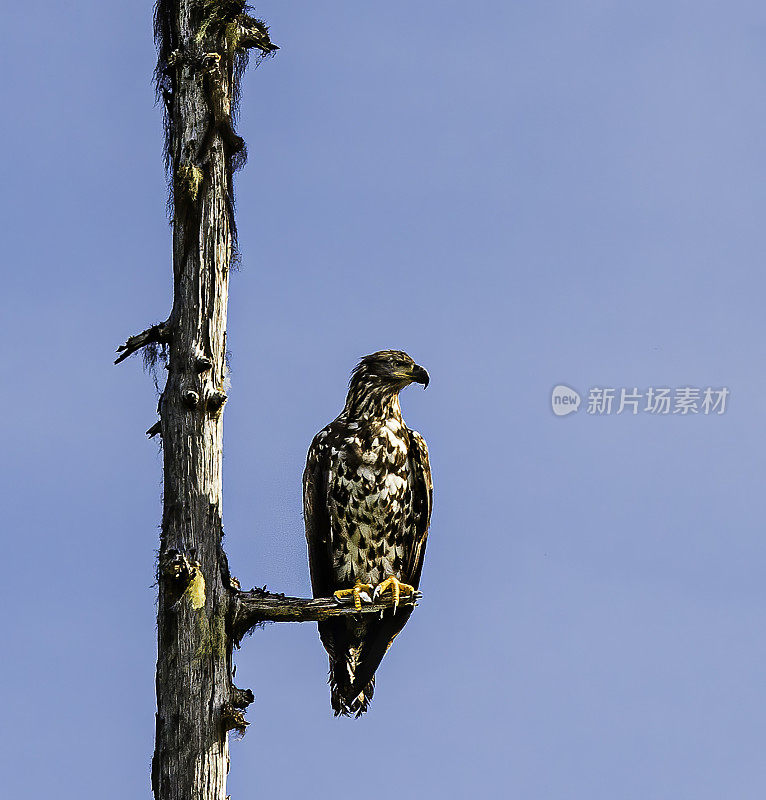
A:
(157, 334)
(259, 606)
(248, 32)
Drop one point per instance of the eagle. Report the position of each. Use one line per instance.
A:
(367, 497)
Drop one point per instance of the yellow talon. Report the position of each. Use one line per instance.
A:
(396, 586)
(356, 592)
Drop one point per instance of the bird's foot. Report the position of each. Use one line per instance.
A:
(361, 591)
(397, 588)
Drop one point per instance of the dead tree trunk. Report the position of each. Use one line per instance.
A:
(202, 47)
(202, 51)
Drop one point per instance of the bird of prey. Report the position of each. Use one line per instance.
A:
(367, 496)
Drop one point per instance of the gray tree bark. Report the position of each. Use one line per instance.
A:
(191, 757)
(202, 48)
(202, 614)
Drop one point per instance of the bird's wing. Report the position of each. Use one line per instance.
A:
(338, 636)
(316, 515)
(422, 500)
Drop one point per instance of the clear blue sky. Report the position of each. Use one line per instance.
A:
(519, 194)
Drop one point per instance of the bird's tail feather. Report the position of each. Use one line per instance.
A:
(347, 700)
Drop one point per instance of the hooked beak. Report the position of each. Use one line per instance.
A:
(419, 375)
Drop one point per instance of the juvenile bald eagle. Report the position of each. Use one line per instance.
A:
(367, 496)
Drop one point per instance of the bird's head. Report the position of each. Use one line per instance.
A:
(388, 369)
(383, 375)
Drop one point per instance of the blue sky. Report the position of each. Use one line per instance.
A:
(518, 194)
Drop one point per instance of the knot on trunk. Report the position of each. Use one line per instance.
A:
(177, 571)
(202, 364)
(233, 719)
(190, 398)
(215, 401)
(241, 698)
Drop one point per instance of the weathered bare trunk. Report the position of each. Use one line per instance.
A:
(194, 653)
(196, 703)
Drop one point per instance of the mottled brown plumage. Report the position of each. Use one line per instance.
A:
(367, 506)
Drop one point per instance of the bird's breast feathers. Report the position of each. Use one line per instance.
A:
(369, 499)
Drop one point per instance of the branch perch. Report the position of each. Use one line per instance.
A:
(258, 606)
